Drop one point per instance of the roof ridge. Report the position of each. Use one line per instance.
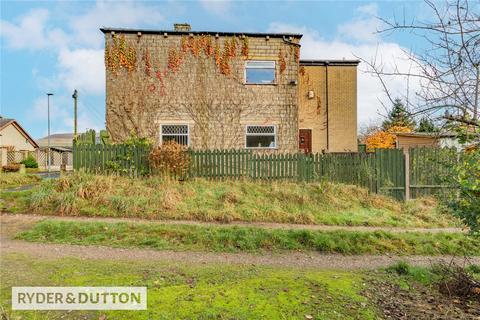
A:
(181, 32)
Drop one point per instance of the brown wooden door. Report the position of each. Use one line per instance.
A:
(305, 140)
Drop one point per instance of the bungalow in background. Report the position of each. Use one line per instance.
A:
(405, 140)
(15, 142)
(60, 150)
(57, 140)
(14, 137)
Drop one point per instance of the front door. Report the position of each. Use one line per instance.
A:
(305, 140)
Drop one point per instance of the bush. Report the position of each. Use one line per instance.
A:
(127, 162)
(401, 268)
(30, 162)
(13, 167)
(170, 158)
(467, 204)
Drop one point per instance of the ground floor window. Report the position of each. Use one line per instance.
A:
(261, 136)
(176, 132)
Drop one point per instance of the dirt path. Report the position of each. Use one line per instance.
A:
(23, 218)
(291, 259)
(11, 224)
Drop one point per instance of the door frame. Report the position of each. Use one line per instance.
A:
(311, 134)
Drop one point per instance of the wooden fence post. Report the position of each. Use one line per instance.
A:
(406, 154)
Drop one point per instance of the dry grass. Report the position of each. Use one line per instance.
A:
(14, 179)
(285, 202)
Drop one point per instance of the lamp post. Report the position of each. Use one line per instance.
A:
(48, 136)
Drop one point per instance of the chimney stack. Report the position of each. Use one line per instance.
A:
(181, 27)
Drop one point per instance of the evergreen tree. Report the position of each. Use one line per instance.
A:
(398, 117)
(426, 125)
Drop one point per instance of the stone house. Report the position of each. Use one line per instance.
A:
(222, 90)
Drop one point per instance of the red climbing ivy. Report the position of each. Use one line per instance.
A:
(120, 55)
(245, 47)
(281, 61)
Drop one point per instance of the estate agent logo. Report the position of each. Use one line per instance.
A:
(79, 298)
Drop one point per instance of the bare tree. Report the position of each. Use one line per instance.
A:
(448, 66)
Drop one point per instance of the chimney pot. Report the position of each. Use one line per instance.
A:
(182, 27)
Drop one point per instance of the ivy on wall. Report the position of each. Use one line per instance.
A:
(120, 55)
(148, 64)
(174, 60)
(281, 61)
(245, 48)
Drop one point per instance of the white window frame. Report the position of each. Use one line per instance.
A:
(275, 140)
(260, 83)
(182, 134)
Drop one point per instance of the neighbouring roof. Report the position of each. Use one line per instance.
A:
(4, 122)
(59, 149)
(426, 134)
(213, 33)
(59, 136)
(331, 62)
(57, 140)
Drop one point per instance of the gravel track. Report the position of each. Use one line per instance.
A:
(11, 224)
(7, 217)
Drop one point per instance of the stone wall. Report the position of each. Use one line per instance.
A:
(154, 79)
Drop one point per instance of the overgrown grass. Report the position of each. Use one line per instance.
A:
(182, 291)
(15, 179)
(237, 239)
(225, 201)
(406, 273)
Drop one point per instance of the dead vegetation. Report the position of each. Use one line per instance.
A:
(456, 282)
(13, 179)
(445, 290)
(225, 201)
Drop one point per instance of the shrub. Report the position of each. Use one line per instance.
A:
(457, 281)
(30, 162)
(126, 163)
(467, 204)
(13, 167)
(401, 268)
(170, 158)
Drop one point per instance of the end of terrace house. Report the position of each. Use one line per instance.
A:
(228, 90)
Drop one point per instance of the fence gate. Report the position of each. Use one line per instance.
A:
(390, 169)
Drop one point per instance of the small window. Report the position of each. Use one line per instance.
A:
(261, 137)
(176, 132)
(260, 72)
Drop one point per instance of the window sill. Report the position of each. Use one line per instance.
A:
(260, 84)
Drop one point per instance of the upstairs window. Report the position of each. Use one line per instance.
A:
(259, 72)
(176, 132)
(261, 137)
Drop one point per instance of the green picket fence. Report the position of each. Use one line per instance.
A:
(104, 158)
(220, 164)
(431, 170)
(381, 172)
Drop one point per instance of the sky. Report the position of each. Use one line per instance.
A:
(57, 47)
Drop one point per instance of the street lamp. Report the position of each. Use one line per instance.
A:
(48, 137)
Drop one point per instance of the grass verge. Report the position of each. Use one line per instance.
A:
(14, 179)
(284, 202)
(237, 239)
(195, 292)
